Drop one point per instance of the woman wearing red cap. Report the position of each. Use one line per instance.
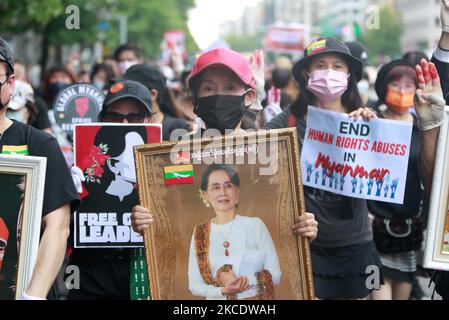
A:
(344, 248)
(223, 88)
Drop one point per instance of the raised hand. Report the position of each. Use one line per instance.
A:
(141, 219)
(429, 101)
(257, 65)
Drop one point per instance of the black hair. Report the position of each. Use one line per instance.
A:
(415, 57)
(230, 171)
(48, 96)
(128, 47)
(108, 136)
(32, 111)
(102, 67)
(350, 99)
(167, 103)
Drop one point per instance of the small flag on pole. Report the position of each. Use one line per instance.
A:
(182, 174)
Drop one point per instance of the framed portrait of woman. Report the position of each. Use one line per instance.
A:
(223, 211)
(436, 254)
(22, 181)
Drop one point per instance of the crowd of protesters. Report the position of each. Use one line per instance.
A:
(222, 90)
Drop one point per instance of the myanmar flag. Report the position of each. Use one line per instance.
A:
(182, 174)
(21, 150)
(316, 46)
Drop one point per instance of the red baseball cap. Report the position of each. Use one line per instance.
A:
(227, 58)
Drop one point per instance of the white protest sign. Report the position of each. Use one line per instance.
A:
(360, 159)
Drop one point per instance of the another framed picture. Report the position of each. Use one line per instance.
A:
(22, 180)
(436, 254)
(223, 210)
(104, 153)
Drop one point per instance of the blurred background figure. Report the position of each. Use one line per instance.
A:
(20, 71)
(128, 55)
(415, 57)
(163, 109)
(24, 106)
(102, 75)
(282, 79)
(110, 60)
(83, 77)
(55, 80)
(366, 84)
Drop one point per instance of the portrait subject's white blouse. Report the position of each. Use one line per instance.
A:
(251, 249)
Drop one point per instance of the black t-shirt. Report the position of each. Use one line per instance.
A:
(170, 123)
(59, 187)
(343, 221)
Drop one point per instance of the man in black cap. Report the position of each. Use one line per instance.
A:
(60, 196)
(127, 102)
(105, 272)
(163, 110)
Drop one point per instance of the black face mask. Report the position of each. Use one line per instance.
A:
(221, 111)
(1, 104)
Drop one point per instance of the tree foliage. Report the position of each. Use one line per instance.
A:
(147, 21)
(385, 41)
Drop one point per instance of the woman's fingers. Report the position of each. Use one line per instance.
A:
(434, 75)
(141, 209)
(245, 284)
(356, 113)
(420, 76)
(141, 219)
(142, 227)
(365, 113)
(306, 226)
(426, 72)
(139, 215)
(305, 220)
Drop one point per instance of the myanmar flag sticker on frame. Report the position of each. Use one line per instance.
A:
(182, 174)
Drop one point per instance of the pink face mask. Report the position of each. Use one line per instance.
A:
(328, 84)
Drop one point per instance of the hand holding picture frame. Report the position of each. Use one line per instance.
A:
(22, 180)
(224, 210)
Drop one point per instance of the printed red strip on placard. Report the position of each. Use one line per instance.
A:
(170, 182)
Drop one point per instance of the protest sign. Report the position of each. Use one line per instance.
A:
(104, 153)
(77, 104)
(361, 159)
(173, 40)
(286, 38)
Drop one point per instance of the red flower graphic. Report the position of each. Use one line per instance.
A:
(95, 162)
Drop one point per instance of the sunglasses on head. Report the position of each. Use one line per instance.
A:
(119, 117)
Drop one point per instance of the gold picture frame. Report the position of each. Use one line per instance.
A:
(273, 195)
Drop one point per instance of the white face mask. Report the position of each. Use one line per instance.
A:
(125, 65)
